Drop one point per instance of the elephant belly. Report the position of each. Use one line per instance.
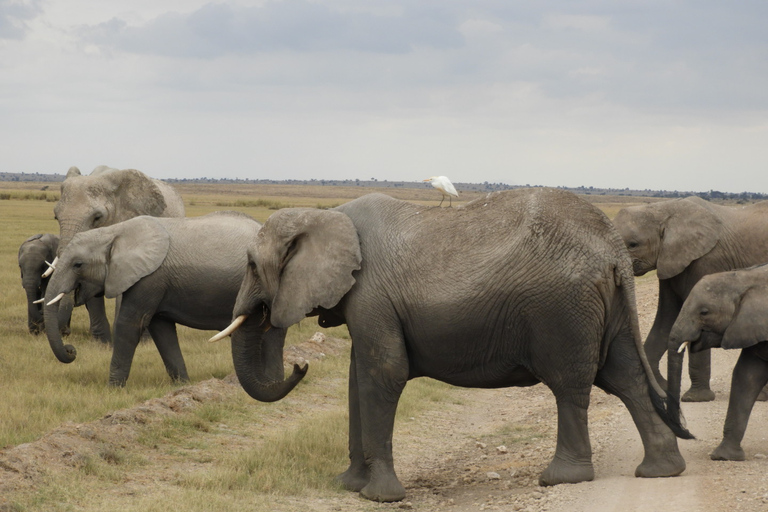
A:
(517, 376)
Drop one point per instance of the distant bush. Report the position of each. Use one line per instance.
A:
(255, 203)
(29, 196)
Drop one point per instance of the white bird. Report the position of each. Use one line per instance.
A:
(444, 185)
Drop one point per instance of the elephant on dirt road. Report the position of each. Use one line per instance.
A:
(512, 289)
(685, 240)
(35, 253)
(105, 197)
(169, 271)
(728, 310)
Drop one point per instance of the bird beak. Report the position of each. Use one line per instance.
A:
(428, 179)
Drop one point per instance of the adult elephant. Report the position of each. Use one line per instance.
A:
(512, 289)
(728, 310)
(685, 240)
(103, 198)
(169, 271)
(35, 253)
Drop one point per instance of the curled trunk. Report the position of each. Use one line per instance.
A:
(64, 353)
(258, 361)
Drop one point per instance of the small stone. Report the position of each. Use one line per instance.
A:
(502, 449)
(760, 455)
(318, 337)
(492, 475)
(407, 505)
(480, 445)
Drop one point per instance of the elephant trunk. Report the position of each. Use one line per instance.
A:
(674, 376)
(34, 311)
(258, 361)
(64, 353)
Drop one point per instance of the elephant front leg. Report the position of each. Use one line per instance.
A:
(749, 376)
(163, 332)
(573, 456)
(700, 371)
(357, 475)
(127, 334)
(98, 315)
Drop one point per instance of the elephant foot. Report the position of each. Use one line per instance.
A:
(763, 396)
(698, 395)
(728, 452)
(383, 485)
(354, 479)
(562, 472)
(670, 465)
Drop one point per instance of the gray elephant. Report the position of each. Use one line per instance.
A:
(35, 253)
(685, 240)
(513, 289)
(186, 271)
(105, 197)
(728, 310)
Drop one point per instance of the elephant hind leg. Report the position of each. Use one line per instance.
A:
(572, 462)
(623, 375)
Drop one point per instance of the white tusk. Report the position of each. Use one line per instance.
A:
(56, 298)
(682, 347)
(51, 267)
(237, 322)
(38, 301)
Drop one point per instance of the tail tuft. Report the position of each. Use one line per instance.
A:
(669, 410)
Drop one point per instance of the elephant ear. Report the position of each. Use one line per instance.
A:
(749, 325)
(135, 193)
(306, 257)
(138, 248)
(690, 232)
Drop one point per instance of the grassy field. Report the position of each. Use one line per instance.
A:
(39, 393)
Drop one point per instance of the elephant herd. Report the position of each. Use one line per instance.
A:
(513, 289)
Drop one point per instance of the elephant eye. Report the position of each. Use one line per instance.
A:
(78, 264)
(704, 312)
(632, 245)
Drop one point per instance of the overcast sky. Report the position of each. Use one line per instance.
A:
(642, 94)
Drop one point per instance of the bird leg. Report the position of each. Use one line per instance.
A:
(441, 202)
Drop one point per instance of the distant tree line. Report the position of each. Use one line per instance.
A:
(712, 195)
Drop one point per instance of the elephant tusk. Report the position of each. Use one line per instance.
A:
(56, 298)
(682, 347)
(51, 267)
(237, 322)
(38, 301)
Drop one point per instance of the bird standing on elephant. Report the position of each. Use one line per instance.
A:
(444, 185)
(685, 240)
(103, 198)
(169, 271)
(536, 286)
(728, 310)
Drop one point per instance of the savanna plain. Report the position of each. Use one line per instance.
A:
(68, 442)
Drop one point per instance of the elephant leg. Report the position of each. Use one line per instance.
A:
(700, 370)
(98, 316)
(658, 338)
(128, 329)
(749, 377)
(163, 332)
(623, 375)
(572, 462)
(357, 475)
(380, 376)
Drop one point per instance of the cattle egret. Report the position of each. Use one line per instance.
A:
(445, 186)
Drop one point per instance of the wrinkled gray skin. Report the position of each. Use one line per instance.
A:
(103, 198)
(34, 252)
(685, 240)
(728, 310)
(169, 271)
(513, 289)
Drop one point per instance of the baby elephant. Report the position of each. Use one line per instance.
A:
(34, 255)
(169, 271)
(728, 310)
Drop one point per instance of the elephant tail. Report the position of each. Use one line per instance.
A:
(666, 405)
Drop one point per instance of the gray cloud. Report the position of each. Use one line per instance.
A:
(14, 14)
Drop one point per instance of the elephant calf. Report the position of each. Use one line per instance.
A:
(728, 310)
(169, 271)
(35, 254)
(513, 289)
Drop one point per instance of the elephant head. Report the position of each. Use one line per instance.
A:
(301, 260)
(108, 196)
(668, 235)
(726, 309)
(105, 261)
